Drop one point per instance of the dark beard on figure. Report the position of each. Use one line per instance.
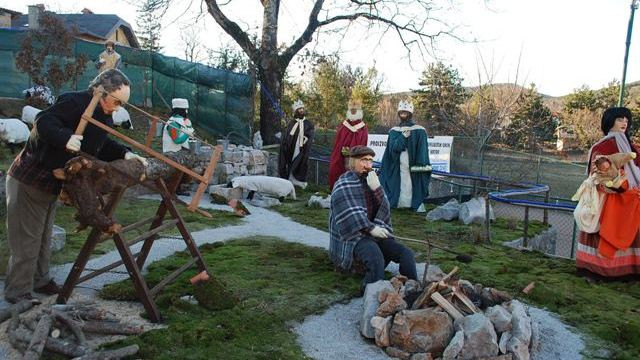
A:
(298, 115)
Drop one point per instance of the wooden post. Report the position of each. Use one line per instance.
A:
(525, 238)
(152, 132)
(206, 178)
(88, 112)
(487, 222)
(545, 216)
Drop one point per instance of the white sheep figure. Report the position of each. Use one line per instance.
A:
(29, 114)
(13, 132)
(265, 184)
(121, 118)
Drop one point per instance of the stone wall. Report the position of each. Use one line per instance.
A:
(236, 160)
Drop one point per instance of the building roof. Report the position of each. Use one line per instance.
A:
(5, 10)
(100, 26)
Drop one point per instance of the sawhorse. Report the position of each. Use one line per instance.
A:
(135, 262)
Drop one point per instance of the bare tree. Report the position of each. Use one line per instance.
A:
(192, 44)
(414, 22)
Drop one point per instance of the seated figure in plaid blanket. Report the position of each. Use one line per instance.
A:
(360, 222)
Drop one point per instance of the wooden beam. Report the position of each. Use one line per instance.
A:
(88, 112)
(207, 176)
(146, 149)
(447, 306)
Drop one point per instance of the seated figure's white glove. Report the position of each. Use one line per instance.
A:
(372, 180)
(406, 133)
(132, 156)
(74, 143)
(380, 232)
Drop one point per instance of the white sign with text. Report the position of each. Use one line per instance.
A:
(439, 150)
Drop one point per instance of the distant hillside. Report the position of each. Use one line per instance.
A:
(555, 103)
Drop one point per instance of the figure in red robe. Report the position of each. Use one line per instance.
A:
(353, 131)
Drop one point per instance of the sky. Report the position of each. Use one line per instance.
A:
(558, 45)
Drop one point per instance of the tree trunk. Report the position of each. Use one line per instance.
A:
(270, 93)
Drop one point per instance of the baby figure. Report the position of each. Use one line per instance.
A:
(610, 171)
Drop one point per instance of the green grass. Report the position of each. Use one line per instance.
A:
(606, 311)
(276, 283)
(129, 211)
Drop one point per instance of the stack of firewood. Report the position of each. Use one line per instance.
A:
(445, 317)
(64, 329)
(458, 297)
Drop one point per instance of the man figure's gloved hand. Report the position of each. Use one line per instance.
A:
(380, 232)
(129, 156)
(372, 180)
(74, 143)
(406, 133)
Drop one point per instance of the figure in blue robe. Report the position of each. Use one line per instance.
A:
(406, 170)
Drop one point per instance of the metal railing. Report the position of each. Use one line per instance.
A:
(512, 200)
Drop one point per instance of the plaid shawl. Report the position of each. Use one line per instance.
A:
(348, 220)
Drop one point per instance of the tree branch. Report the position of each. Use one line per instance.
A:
(305, 38)
(233, 30)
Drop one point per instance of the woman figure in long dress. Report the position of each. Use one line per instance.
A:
(614, 250)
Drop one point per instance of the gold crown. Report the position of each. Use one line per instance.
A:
(355, 104)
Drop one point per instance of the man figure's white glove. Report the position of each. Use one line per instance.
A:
(380, 232)
(372, 180)
(406, 133)
(129, 156)
(74, 143)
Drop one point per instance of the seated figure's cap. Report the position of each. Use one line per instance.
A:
(359, 151)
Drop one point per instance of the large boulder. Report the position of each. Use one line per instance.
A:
(454, 347)
(58, 238)
(520, 322)
(474, 211)
(319, 201)
(425, 330)
(447, 212)
(370, 306)
(500, 317)
(480, 339)
(390, 303)
(382, 327)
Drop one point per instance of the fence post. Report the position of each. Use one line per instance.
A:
(525, 238)
(317, 171)
(487, 218)
(475, 187)
(573, 241)
(545, 216)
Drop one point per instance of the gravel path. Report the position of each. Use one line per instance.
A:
(332, 335)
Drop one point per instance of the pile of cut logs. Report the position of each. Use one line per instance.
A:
(448, 318)
(62, 329)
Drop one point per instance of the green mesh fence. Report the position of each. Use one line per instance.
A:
(219, 101)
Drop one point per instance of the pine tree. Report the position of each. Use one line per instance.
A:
(532, 123)
(438, 101)
(148, 23)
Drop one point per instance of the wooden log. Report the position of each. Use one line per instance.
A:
(87, 180)
(111, 354)
(14, 340)
(447, 306)
(425, 296)
(465, 300)
(72, 325)
(111, 328)
(40, 335)
(20, 307)
(449, 275)
(66, 348)
(529, 287)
